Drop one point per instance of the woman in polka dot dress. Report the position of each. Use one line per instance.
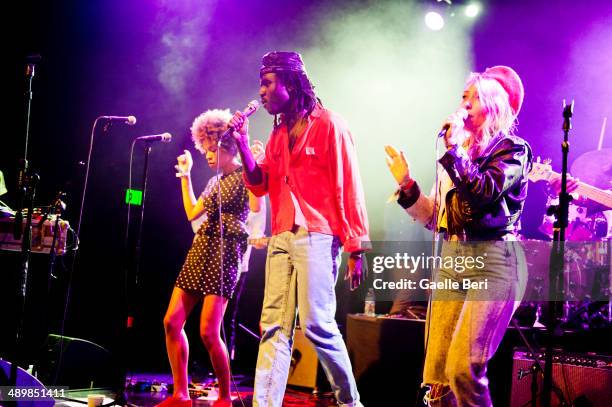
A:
(204, 274)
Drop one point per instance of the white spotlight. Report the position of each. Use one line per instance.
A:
(472, 10)
(434, 21)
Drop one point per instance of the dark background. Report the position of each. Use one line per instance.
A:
(103, 58)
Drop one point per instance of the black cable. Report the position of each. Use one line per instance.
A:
(81, 208)
(129, 201)
(76, 253)
(127, 224)
(222, 263)
(434, 242)
(120, 394)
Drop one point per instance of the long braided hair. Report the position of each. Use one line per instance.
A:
(302, 97)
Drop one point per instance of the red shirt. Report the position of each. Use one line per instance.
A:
(323, 174)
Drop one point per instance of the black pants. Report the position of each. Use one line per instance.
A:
(232, 314)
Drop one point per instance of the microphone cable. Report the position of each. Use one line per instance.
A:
(434, 248)
(127, 220)
(222, 264)
(77, 234)
(126, 271)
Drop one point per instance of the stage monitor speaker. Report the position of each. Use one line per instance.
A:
(84, 364)
(387, 357)
(21, 379)
(305, 370)
(584, 379)
(304, 361)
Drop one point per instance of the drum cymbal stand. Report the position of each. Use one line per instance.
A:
(557, 262)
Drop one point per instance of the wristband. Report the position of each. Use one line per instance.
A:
(406, 185)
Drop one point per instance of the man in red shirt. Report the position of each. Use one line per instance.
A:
(311, 174)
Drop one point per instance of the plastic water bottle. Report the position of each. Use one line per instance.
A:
(370, 304)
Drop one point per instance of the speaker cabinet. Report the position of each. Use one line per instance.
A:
(387, 358)
(304, 362)
(584, 379)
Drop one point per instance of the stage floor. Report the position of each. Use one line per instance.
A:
(140, 393)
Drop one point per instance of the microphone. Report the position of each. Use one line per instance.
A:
(129, 120)
(250, 109)
(459, 114)
(164, 138)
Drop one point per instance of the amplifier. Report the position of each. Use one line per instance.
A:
(584, 379)
(304, 362)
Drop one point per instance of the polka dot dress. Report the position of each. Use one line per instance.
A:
(201, 272)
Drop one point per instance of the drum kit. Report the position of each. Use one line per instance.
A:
(587, 276)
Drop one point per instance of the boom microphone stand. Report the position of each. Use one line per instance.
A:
(131, 277)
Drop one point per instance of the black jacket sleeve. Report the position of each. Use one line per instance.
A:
(481, 184)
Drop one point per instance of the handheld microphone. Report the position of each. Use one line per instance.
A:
(461, 114)
(250, 109)
(129, 120)
(164, 138)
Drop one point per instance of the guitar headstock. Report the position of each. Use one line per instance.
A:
(540, 170)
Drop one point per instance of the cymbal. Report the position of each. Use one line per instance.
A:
(594, 168)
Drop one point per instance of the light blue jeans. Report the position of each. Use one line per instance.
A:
(301, 273)
(465, 327)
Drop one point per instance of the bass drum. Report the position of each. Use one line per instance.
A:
(581, 269)
(580, 228)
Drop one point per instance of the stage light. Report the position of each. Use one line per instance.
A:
(472, 10)
(434, 21)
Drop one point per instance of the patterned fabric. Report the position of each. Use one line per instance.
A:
(201, 272)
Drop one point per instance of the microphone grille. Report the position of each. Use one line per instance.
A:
(253, 106)
(131, 120)
(166, 137)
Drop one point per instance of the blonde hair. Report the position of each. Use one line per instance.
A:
(499, 116)
(199, 135)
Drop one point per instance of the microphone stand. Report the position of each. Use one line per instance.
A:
(145, 174)
(26, 185)
(130, 285)
(557, 260)
(22, 187)
(31, 182)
